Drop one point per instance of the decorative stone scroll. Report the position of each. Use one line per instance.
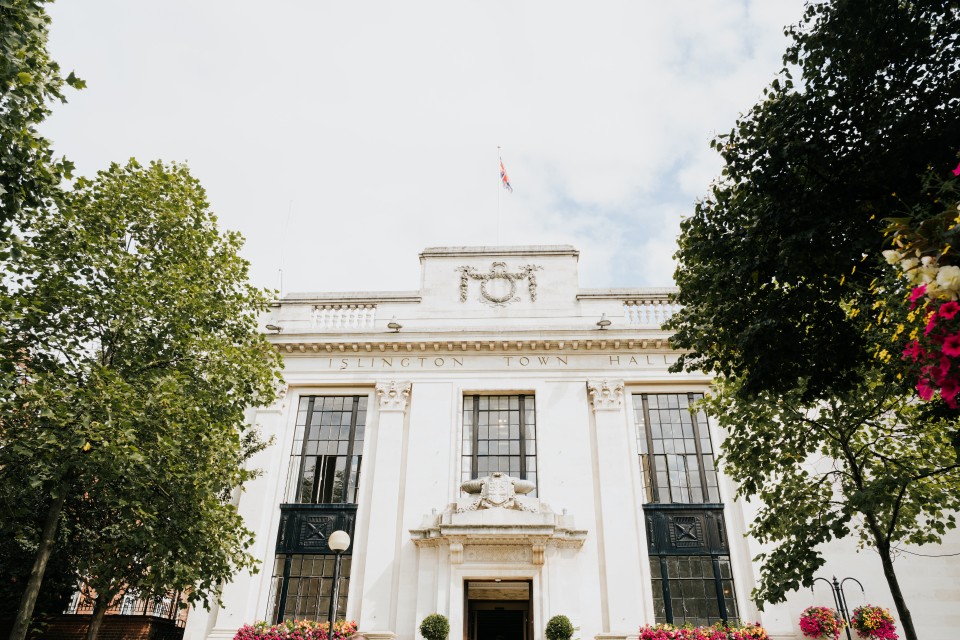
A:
(393, 395)
(605, 395)
(498, 287)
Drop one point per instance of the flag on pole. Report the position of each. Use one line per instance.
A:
(504, 178)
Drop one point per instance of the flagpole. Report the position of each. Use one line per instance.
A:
(499, 186)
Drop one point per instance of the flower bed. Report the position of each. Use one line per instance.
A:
(718, 631)
(296, 630)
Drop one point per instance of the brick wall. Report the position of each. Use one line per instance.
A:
(113, 628)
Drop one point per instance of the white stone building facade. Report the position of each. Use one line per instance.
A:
(500, 364)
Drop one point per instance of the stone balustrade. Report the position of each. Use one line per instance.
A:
(344, 316)
(648, 312)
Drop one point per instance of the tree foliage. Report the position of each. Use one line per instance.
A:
(138, 352)
(29, 81)
(871, 463)
(30, 175)
(785, 298)
(771, 255)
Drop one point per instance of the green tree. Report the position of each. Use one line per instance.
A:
(138, 352)
(870, 462)
(769, 258)
(785, 298)
(30, 175)
(29, 81)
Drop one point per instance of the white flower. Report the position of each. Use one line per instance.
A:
(892, 256)
(949, 277)
(927, 274)
(909, 263)
(928, 261)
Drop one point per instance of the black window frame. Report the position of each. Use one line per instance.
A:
(524, 441)
(322, 492)
(648, 459)
(680, 531)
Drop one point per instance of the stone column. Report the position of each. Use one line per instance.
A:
(377, 609)
(621, 571)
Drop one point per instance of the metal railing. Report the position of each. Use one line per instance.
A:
(169, 606)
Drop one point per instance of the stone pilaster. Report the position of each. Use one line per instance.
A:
(377, 609)
(618, 539)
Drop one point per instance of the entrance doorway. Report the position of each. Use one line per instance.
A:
(498, 610)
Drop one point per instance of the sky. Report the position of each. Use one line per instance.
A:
(342, 138)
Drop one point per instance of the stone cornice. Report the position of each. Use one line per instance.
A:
(350, 297)
(306, 344)
(645, 293)
(485, 252)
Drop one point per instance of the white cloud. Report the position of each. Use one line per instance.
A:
(379, 121)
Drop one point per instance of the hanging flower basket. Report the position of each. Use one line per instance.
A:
(874, 622)
(822, 623)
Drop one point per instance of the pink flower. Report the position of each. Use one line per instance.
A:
(949, 309)
(956, 171)
(924, 389)
(913, 351)
(951, 346)
(916, 295)
(949, 392)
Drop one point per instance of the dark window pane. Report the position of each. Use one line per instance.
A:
(318, 467)
(665, 425)
(500, 436)
(693, 590)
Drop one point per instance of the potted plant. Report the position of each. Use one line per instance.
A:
(874, 622)
(559, 628)
(821, 622)
(435, 627)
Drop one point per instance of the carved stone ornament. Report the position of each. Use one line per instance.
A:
(393, 395)
(497, 491)
(497, 523)
(605, 395)
(498, 287)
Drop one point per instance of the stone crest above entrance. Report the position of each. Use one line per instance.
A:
(495, 524)
(498, 490)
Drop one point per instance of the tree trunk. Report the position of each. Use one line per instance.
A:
(45, 548)
(99, 609)
(905, 618)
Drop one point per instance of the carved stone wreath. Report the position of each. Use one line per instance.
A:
(498, 271)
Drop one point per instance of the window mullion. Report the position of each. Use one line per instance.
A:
(475, 436)
(348, 467)
(665, 584)
(523, 448)
(704, 490)
(718, 588)
(651, 459)
(303, 448)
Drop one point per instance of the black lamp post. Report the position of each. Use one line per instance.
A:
(338, 543)
(840, 598)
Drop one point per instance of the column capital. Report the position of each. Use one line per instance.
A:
(393, 395)
(605, 395)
